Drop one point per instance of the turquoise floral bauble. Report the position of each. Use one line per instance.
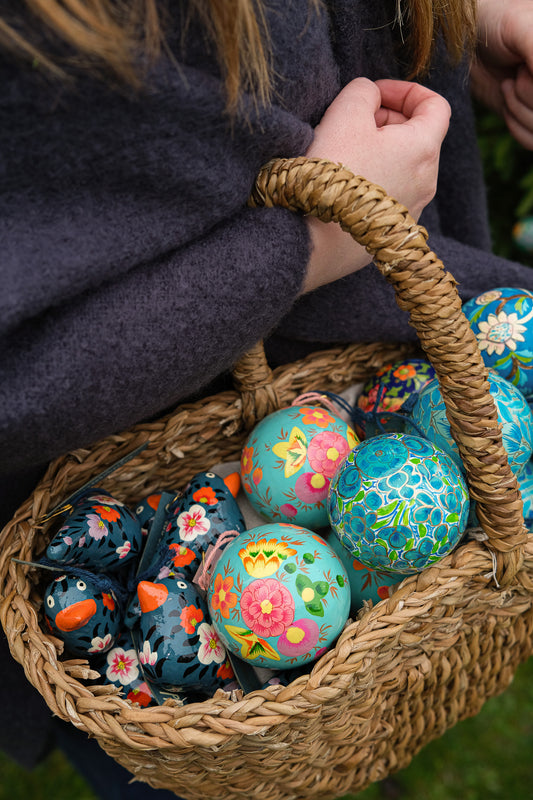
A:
(288, 462)
(365, 584)
(398, 503)
(502, 320)
(525, 484)
(514, 414)
(279, 596)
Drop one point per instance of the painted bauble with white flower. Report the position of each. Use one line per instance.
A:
(502, 320)
(100, 533)
(514, 415)
(178, 648)
(86, 616)
(279, 596)
(288, 461)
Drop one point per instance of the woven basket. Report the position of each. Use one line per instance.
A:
(407, 669)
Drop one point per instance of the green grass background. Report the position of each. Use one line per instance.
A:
(488, 757)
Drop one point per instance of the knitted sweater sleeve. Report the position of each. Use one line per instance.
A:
(133, 272)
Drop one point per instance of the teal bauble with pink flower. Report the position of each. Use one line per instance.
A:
(502, 320)
(289, 460)
(279, 596)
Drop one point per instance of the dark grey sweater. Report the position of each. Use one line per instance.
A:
(133, 274)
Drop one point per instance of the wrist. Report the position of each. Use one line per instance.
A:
(334, 254)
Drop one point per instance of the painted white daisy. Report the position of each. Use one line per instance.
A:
(500, 331)
(192, 523)
(211, 648)
(122, 666)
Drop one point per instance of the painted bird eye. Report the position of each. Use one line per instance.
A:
(81, 585)
(210, 475)
(50, 602)
(181, 584)
(139, 509)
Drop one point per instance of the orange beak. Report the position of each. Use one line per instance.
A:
(75, 616)
(233, 482)
(151, 595)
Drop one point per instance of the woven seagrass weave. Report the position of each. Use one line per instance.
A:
(402, 673)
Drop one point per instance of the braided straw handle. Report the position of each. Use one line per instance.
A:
(427, 292)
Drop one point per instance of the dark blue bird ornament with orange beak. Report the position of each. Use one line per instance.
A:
(85, 616)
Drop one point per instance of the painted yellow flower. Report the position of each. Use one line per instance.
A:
(294, 451)
(263, 558)
(499, 332)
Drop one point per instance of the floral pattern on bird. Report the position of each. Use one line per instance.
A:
(502, 320)
(78, 611)
(196, 519)
(99, 533)
(399, 504)
(288, 461)
(180, 650)
(268, 589)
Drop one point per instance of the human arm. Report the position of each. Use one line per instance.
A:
(502, 73)
(390, 132)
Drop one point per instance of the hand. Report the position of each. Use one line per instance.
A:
(502, 75)
(390, 132)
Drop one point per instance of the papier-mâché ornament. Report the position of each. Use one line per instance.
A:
(279, 596)
(398, 503)
(289, 460)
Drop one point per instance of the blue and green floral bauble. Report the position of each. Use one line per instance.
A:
(514, 414)
(502, 320)
(398, 503)
(289, 460)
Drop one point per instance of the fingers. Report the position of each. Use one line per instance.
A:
(415, 103)
(518, 108)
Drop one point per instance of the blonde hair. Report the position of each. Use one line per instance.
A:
(111, 35)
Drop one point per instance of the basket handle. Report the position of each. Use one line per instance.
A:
(428, 293)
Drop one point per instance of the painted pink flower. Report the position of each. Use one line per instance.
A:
(123, 550)
(122, 666)
(146, 656)
(267, 607)
(326, 450)
(311, 487)
(211, 648)
(193, 523)
(288, 510)
(299, 638)
(96, 526)
(100, 644)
